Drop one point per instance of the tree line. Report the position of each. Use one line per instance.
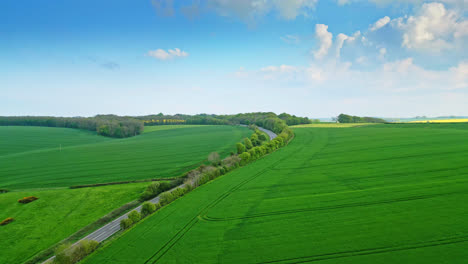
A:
(342, 118)
(267, 120)
(105, 125)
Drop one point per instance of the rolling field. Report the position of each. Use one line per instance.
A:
(18, 139)
(373, 194)
(32, 164)
(161, 153)
(56, 215)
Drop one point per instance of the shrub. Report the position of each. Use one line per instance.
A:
(147, 208)
(3, 191)
(62, 254)
(166, 198)
(7, 221)
(157, 206)
(213, 158)
(151, 191)
(248, 143)
(83, 249)
(262, 137)
(254, 140)
(28, 199)
(135, 216)
(69, 254)
(245, 158)
(240, 148)
(126, 223)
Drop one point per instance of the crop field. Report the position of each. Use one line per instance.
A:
(19, 139)
(333, 125)
(461, 120)
(56, 215)
(43, 162)
(372, 194)
(158, 154)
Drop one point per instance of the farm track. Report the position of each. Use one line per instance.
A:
(370, 251)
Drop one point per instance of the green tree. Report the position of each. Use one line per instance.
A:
(126, 223)
(147, 208)
(245, 158)
(240, 148)
(135, 216)
(213, 158)
(248, 143)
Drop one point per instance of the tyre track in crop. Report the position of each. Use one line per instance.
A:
(173, 241)
(371, 251)
(325, 208)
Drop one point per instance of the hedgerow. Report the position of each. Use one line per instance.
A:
(69, 254)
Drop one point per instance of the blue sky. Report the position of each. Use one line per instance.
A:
(311, 58)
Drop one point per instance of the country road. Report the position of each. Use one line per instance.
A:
(114, 226)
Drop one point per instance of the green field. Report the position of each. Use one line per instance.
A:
(32, 164)
(161, 153)
(56, 215)
(17, 139)
(373, 194)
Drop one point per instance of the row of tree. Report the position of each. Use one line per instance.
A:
(268, 120)
(106, 125)
(342, 118)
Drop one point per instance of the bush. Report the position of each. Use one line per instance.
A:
(213, 158)
(135, 216)
(248, 143)
(254, 140)
(147, 208)
(83, 249)
(28, 199)
(3, 191)
(166, 198)
(69, 254)
(7, 221)
(126, 223)
(62, 254)
(245, 158)
(240, 148)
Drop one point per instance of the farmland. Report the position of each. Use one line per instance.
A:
(57, 214)
(159, 154)
(32, 163)
(370, 194)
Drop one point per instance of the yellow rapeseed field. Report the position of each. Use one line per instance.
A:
(442, 121)
(337, 125)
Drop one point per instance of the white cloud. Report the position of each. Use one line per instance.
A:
(161, 54)
(291, 39)
(342, 38)
(433, 29)
(325, 39)
(380, 23)
(292, 8)
(382, 53)
(251, 9)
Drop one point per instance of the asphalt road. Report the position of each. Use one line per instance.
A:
(111, 228)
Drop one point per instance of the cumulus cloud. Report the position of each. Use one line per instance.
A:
(380, 23)
(342, 38)
(161, 54)
(325, 39)
(434, 28)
